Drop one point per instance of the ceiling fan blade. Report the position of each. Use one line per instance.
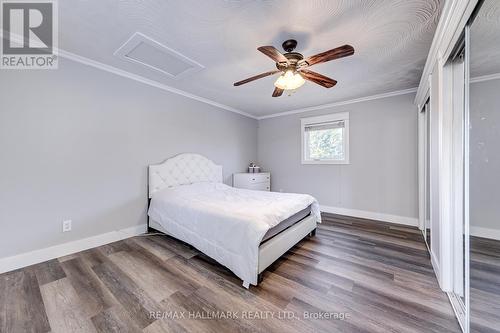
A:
(318, 78)
(339, 52)
(273, 53)
(256, 77)
(277, 92)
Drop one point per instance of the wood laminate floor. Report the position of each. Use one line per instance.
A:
(354, 276)
(485, 285)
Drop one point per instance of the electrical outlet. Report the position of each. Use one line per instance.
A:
(281, 190)
(66, 226)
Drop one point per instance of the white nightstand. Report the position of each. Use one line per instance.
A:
(253, 181)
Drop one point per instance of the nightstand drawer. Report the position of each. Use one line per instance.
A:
(259, 187)
(253, 181)
(254, 178)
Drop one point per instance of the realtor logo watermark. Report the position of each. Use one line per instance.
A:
(29, 30)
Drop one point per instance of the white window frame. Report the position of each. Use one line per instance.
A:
(344, 116)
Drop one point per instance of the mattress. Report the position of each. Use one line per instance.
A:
(286, 223)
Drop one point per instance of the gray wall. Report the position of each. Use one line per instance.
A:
(75, 144)
(485, 154)
(382, 174)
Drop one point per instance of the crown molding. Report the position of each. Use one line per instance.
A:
(156, 84)
(331, 105)
(111, 69)
(483, 78)
(123, 73)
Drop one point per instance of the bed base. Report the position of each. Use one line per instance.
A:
(272, 249)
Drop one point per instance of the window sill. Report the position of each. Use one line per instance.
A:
(325, 162)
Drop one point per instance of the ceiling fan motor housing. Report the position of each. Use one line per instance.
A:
(293, 59)
(289, 45)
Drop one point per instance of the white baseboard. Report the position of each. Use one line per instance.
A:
(410, 221)
(34, 257)
(485, 232)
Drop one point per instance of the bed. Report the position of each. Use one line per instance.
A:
(244, 230)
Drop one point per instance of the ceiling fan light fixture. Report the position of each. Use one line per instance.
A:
(289, 80)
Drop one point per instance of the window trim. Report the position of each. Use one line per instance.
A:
(342, 116)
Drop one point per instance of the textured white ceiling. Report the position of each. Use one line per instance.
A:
(391, 39)
(485, 40)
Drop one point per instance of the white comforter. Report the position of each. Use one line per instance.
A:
(226, 223)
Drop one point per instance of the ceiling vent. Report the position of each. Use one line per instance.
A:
(154, 55)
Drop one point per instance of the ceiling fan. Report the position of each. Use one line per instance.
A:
(294, 67)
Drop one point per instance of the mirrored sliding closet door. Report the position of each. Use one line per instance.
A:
(483, 150)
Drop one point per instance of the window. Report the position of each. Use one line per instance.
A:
(325, 139)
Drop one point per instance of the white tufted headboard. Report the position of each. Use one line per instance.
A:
(183, 169)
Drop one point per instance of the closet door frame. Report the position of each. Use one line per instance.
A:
(423, 172)
(458, 87)
(466, 175)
